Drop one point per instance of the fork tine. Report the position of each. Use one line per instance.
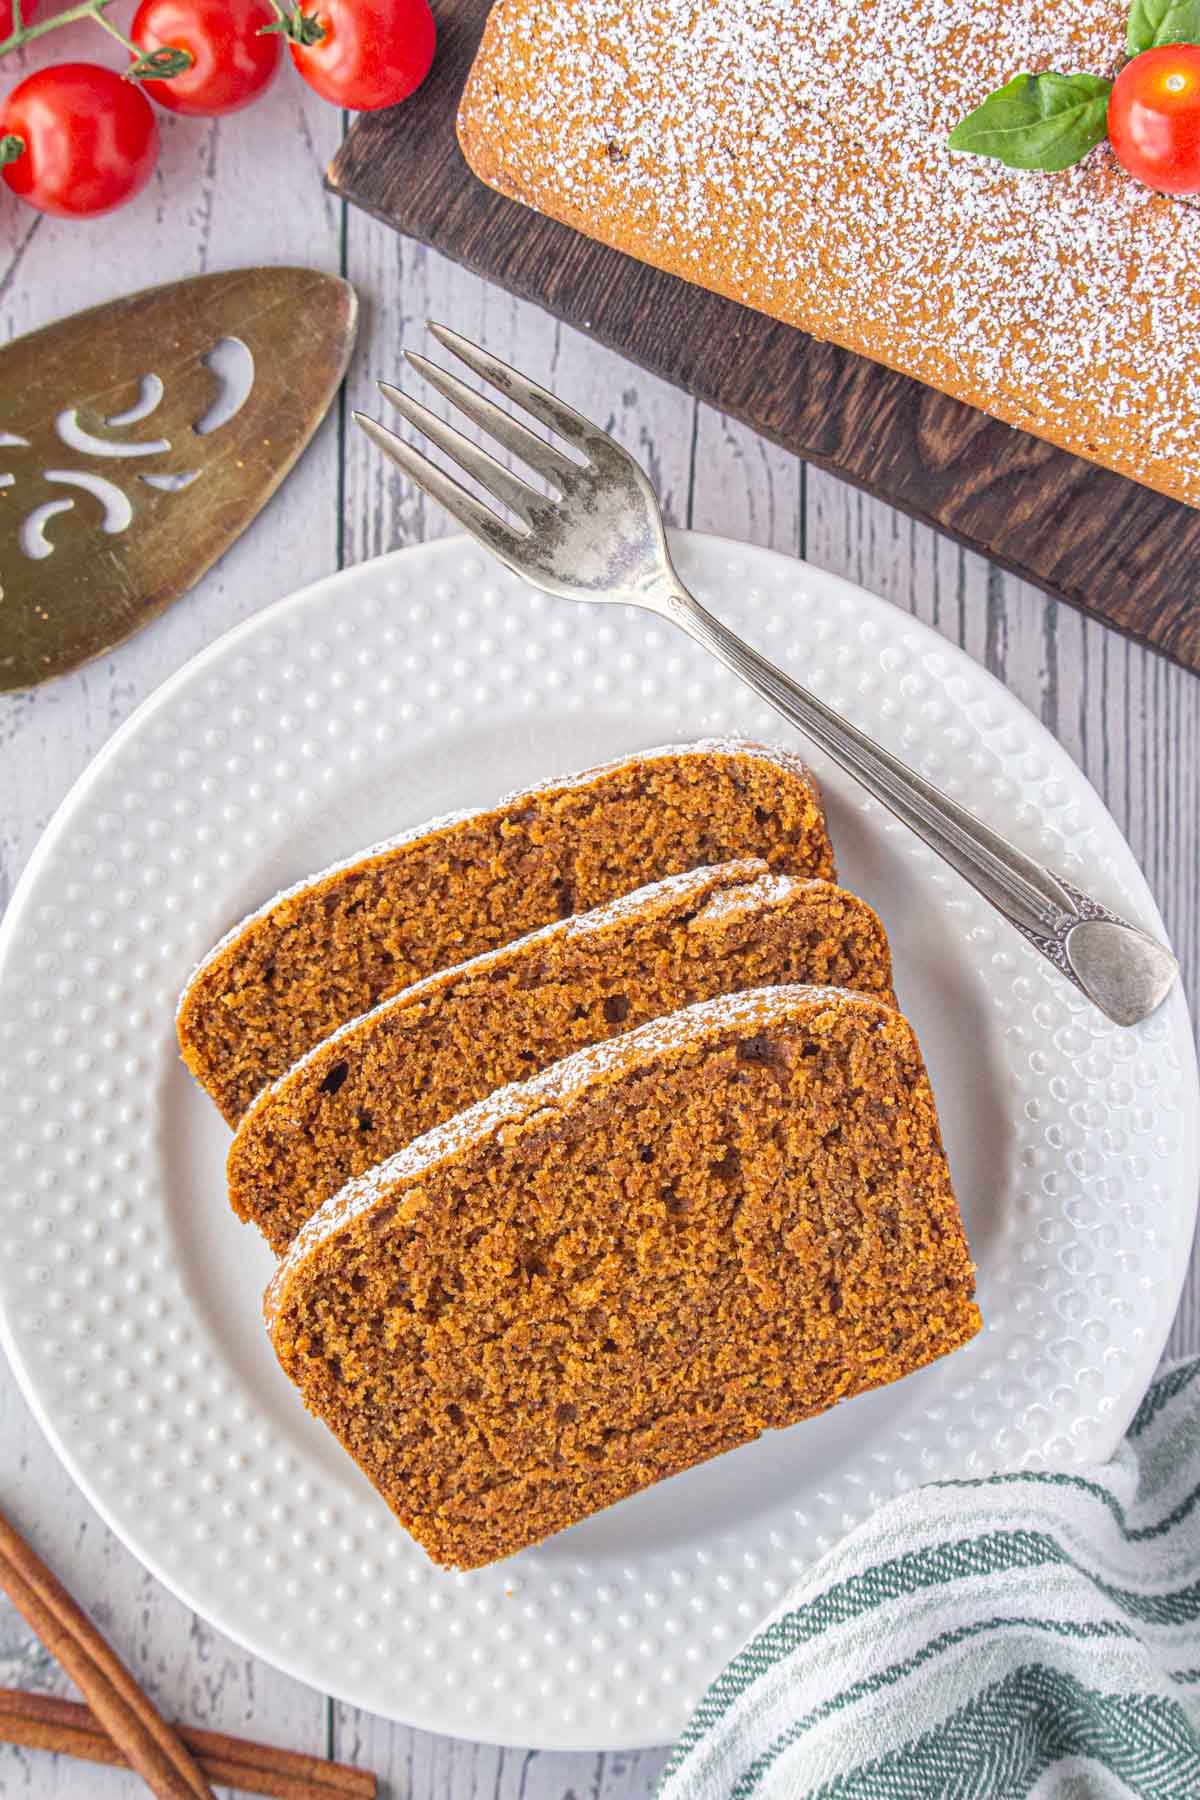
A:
(538, 400)
(469, 512)
(493, 419)
(500, 482)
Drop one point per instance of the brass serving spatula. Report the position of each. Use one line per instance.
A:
(138, 439)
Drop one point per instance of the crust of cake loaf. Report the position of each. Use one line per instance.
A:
(330, 948)
(718, 1224)
(794, 159)
(442, 1045)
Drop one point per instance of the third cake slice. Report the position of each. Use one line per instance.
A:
(441, 1045)
(666, 1244)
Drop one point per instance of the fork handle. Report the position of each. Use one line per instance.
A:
(1124, 971)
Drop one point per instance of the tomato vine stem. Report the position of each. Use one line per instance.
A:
(298, 26)
(162, 65)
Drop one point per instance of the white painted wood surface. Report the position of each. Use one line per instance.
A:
(248, 190)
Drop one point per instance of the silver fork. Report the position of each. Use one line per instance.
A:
(601, 537)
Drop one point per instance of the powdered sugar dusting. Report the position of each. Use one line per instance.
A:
(766, 891)
(794, 158)
(730, 745)
(709, 1022)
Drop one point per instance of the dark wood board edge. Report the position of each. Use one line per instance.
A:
(1117, 551)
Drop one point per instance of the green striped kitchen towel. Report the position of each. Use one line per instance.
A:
(1036, 1633)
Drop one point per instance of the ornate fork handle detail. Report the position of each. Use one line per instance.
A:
(1124, 971)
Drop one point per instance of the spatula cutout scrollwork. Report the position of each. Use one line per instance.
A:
(139, 439)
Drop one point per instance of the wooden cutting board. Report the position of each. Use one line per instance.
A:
(1120, 552)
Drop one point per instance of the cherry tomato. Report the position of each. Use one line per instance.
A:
(365, 54)
(1154, 118)
(231, 63)
(90, 140)
(6, 16)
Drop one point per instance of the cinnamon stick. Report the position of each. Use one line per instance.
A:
(147, 1742)
(44, 1722)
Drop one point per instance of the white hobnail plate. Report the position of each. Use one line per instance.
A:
(129, 1295)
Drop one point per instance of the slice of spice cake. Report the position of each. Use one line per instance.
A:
(439, 1046)
(655, 1250)
(330, 948)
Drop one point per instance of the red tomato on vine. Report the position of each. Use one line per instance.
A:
(232, 62)
(363, 54)
(77, 140)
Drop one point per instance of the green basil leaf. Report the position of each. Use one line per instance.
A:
(1038, 121)
(1154, 22)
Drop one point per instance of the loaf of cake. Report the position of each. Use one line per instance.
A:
(655, 1250)
(332, 947)
(439, 1046)
(793, 157)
